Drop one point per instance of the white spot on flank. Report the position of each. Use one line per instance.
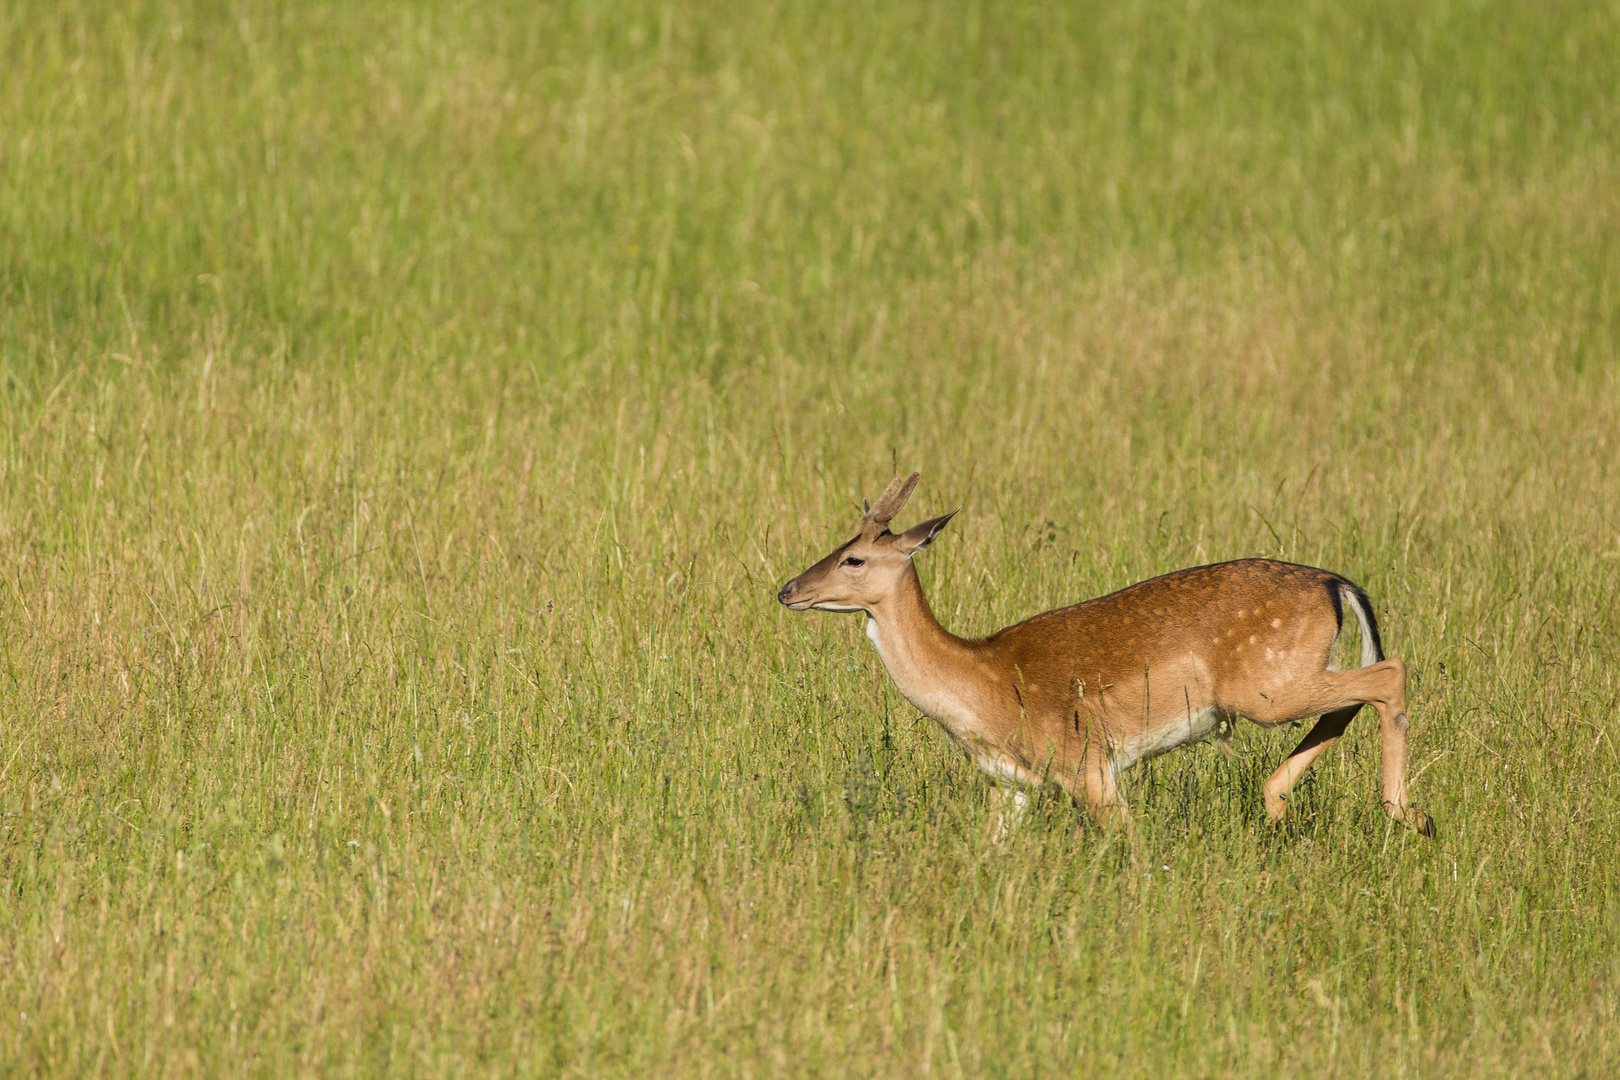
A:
(1275, 623)
(1252, 639)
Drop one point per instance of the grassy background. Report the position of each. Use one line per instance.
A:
(407, 412)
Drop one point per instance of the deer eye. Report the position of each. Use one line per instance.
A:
(853, 561)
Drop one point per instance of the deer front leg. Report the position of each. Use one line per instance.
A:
(1102, 791)
(1012, 803)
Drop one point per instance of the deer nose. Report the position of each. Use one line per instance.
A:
(784, 592)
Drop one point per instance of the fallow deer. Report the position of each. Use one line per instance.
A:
(1078, 694)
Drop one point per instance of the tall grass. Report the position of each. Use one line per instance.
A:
(407, 412)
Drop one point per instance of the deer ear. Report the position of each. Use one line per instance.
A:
(922, 534)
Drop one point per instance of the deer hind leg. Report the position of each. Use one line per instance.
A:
(1395, 723)
(1336, 696)
(1323, 735)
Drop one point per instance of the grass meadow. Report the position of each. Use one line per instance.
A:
(407, 412)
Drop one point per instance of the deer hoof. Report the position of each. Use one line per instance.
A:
(1419, 822)
(1412, 818)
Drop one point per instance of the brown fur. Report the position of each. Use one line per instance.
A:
(1076, 694)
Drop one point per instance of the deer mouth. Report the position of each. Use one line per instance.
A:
(791, 596)
(786, 596)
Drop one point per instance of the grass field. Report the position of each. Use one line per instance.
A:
(407, 412)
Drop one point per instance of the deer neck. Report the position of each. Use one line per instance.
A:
(935, 670)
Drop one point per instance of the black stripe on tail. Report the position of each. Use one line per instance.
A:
(1364, 613)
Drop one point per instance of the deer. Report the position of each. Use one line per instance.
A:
(1078, 694)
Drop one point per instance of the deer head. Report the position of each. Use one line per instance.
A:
(858, 574)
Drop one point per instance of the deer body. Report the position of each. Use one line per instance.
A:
(1078, 694)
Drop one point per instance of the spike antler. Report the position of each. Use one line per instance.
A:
(894, 496)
